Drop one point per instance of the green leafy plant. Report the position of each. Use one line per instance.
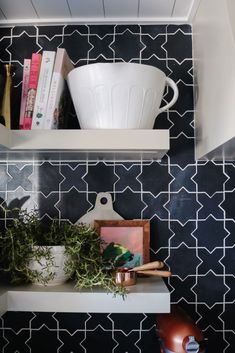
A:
(27, 238)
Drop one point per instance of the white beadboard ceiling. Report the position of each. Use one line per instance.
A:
(102, 11)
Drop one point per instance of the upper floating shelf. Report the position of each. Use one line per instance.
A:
(101, 144)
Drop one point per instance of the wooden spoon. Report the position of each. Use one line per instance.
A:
(149, 266)
(155, 273)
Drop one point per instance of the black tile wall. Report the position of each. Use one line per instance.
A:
(190, 203)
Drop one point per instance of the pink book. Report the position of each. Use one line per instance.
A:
(32, 89)
(24, 92)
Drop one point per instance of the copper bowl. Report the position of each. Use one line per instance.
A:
(124, 277)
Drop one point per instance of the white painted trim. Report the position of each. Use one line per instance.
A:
(78, 20)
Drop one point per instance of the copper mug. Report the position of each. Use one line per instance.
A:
(125, 277)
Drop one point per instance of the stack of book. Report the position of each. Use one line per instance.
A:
(44, 90)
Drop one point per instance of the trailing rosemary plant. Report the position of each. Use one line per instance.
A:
(16, 247)
(27, 238)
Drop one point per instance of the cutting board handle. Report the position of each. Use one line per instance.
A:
(103, 210)
(104, 200)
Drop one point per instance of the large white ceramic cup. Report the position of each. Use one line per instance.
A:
(119, 95)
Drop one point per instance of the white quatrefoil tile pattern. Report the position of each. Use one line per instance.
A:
(190, 203)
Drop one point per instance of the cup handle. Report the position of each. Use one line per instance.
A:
(173, 85)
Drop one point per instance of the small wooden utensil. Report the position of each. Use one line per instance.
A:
(155, 265)
(155, 273)
(151, 269)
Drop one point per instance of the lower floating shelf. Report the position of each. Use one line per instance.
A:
(149, 295)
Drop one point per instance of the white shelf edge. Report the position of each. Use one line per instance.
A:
(149, 295)
(115, 144)
(90, 140)
(5, 137)
(3, 302)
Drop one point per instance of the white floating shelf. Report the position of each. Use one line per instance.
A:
(149, 295)
(114, 144)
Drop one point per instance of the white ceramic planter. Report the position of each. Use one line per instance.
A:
(118, 95)
(57, 267)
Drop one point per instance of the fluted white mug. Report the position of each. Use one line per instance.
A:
(119, 95)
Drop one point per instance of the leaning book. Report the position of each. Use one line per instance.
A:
(32, 90)
(24, 92)
(44, 82)
(63, 66)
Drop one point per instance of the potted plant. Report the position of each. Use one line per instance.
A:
(28, 248)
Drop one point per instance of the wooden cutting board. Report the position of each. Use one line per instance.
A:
(103, 210)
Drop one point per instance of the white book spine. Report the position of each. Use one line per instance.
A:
(43, 89)
(56, 91)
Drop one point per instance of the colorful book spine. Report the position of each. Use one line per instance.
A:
(24, 92)
(44, 82)
(63, 66)
(32, 89)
